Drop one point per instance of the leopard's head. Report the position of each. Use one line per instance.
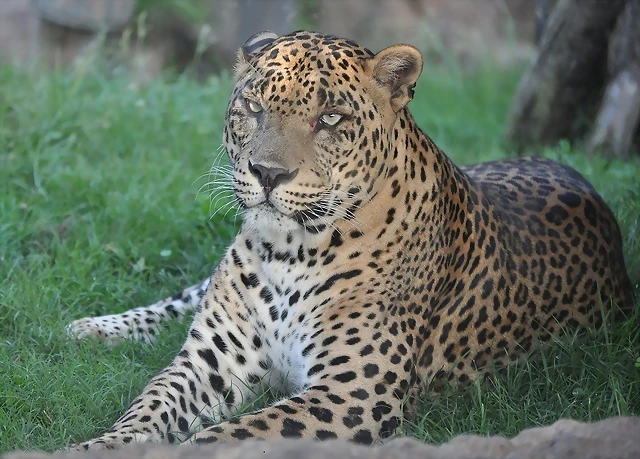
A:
(310, 126)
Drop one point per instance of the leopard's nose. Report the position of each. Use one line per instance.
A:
(271, 177)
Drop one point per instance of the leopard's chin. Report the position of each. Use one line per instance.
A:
(266, 218)
(269, 209)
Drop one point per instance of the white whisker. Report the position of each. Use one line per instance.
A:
(225, 207)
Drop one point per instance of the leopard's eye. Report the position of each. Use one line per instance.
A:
(331, 119)
(254, 106)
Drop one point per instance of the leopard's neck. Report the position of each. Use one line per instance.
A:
(422, 188)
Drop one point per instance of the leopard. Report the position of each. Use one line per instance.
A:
(367, 265)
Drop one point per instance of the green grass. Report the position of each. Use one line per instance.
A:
(99, 213)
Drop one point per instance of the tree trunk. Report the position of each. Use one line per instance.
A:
(568, 72)
(617, 120)
(543, 9)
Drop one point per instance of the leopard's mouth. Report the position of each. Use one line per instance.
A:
(313, 216)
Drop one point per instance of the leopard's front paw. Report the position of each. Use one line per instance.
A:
(108, 441)
(87, 446)
(101, 328)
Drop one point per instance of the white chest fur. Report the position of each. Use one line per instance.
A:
(283, 314)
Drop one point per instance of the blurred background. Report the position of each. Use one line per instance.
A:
(581, 58)
(203, 35)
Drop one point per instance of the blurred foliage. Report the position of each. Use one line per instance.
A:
(190, 10)
(307, 13)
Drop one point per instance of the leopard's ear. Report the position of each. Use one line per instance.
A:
(397, 69)
(251, 47)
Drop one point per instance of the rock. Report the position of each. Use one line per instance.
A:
(614, 438)
(94, 16)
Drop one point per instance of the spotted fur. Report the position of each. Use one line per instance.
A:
(368, 264)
